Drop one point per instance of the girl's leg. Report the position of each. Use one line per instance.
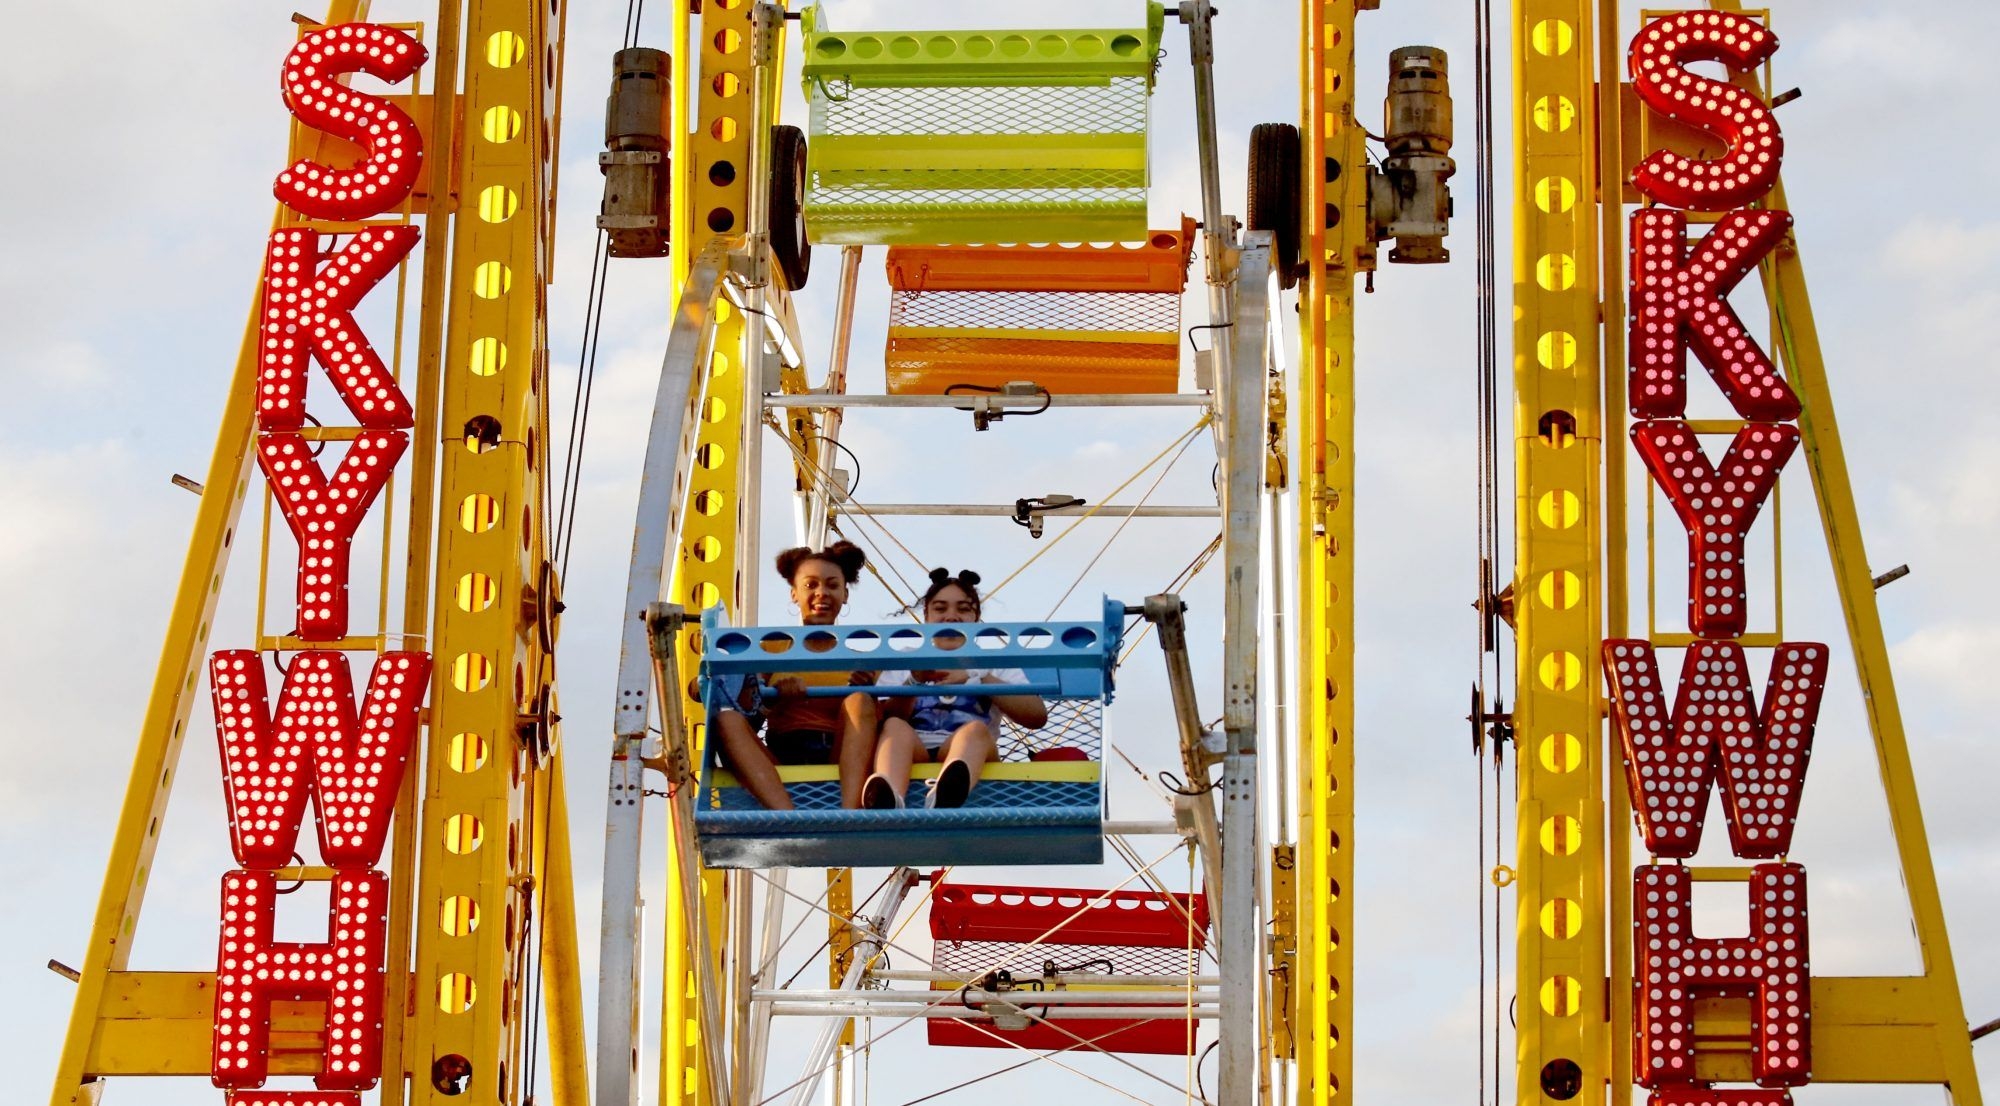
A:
(752, 762)
(898, 749)
(858, 727)
(971, 746)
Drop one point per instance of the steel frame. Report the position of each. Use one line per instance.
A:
(1335, 251)
(470, 999)
(1559, 977)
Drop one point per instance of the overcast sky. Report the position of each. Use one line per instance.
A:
(142, 146)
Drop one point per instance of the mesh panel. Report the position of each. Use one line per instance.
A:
(971, 958)
(1121, 311)
(1072, 724)
(933, 365)
(990, 795)
(946, 194)
(1115, 107)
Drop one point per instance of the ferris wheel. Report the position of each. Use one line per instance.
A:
(824, 835)
(921, 141)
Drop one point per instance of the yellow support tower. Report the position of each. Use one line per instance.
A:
(1560, 920)
(1337, 251)
(712, 201)
(491, 844)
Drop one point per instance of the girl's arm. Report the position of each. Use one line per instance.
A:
(1024, 710)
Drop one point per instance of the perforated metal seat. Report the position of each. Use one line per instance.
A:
(978, 929)
(1043, 803)
(978, 136)
(1074, 319)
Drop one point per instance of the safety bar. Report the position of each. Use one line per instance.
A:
(912, 691)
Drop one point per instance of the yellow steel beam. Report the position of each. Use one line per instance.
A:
(1560, 973)
(704, 575)
(1336, 251)
(157, 755)
(712, 171)
(1804, 363)
(480, 776)
(425, 440)
(1617, 584)
(562, 972)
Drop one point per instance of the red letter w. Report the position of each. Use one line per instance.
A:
(1672, 759)
(351, 765)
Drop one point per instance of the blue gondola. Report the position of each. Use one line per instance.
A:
(1041, 803)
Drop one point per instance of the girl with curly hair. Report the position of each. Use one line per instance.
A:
(798, 729)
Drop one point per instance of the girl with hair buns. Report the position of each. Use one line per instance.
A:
(798, 729)
(953, 727)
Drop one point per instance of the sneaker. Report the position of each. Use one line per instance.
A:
(953, 784)
(876, 794)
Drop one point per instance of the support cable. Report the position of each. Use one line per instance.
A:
(1122, 524)
(1035, 1059)
(1487, 387)
(1094, 508)
(579, 411)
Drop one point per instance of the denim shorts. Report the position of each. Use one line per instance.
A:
(801, 746)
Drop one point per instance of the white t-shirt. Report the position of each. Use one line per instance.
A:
(937, 717)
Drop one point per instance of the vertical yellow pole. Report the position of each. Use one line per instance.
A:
(704, 575)
(473, 888)
(562, 980)
(683, 153)
(399, 1021)
(1617, 585)
(1336, 250)
(713, 167)
(1560, 909)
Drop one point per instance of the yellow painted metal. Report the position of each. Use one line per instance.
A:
(1866, 1029)
(424, 446)
(1942, 1008)
(1557, 510)
(704, 574)
(1335, 252)
(160, 1023)
(562, 970)
(1284, 952)
(1617, 570)
(718, 158)
(682, 201)
(466, 988)
(157, 753)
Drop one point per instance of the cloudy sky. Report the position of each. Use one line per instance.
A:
(138, 199)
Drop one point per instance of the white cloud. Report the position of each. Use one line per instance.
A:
(1943, 252)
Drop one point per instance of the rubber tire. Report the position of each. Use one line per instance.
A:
(788, 197)
(1274, 193)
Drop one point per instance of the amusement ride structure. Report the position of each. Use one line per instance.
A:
(397, 357)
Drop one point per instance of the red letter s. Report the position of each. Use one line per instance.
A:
(395, 149)
(1659, 59)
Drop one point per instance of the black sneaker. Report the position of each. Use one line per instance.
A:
(953, 784)
(876, 794)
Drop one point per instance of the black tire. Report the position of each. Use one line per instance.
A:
(1274, 193)
(788, 199)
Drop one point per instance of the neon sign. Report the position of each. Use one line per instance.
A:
(1713, 733)
(318, 744)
